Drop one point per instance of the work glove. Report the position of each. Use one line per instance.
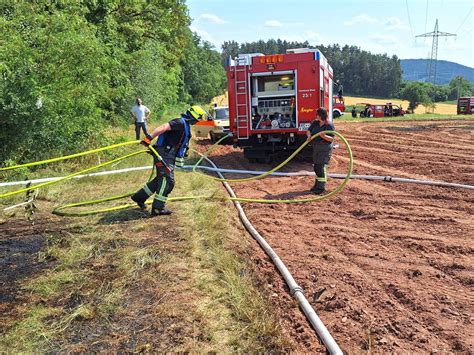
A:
(146, 141)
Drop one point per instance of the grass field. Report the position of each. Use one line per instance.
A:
(440, 108)
(407, 118)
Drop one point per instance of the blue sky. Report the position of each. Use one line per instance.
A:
(377, 26)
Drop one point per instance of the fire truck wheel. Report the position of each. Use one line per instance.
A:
(336, 114)
(213, 137)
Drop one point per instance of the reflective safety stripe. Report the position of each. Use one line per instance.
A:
(147, 190)
(323, 178)
(163, 187)
(159, 196)
(179, 161)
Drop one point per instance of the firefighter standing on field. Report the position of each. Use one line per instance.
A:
(172, 144)
(322, 149)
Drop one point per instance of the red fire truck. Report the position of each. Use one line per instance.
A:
(465, 106)
(273, 99)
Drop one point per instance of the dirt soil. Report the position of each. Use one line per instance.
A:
(389, 267)
(19, 247)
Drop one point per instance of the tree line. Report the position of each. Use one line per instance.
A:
(428, 94)
(361, 72)
(69, 69)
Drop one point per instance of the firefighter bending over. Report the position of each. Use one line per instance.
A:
(171, 145)
(322, 149)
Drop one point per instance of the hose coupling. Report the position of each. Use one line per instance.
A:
(295, 289)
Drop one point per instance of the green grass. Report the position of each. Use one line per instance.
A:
(225, 301)
(50, 283)
(30, 334)
(233, 301)
(449, 102)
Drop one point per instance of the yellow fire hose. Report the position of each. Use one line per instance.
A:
(59, 210)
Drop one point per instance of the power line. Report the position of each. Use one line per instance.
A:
(409, 19)
(465, 18)
(434, 51)
(426, 14)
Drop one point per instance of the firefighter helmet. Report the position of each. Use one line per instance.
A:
(196, 112)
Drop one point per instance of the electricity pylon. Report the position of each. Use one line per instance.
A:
(434, 51)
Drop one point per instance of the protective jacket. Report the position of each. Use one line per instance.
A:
(172, 147)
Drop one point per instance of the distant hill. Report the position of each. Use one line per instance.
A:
(415, 70)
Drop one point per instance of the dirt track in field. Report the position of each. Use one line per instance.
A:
(395, 261)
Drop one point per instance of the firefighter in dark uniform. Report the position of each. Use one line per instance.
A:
(172, 144)
(322, 149)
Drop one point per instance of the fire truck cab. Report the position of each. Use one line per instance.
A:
(338, 107)
(465, 106)
(273, 99)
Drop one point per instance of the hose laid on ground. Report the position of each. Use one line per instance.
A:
(81, 154)
(59, 210)
(295, 290)
(282, 164)
(385, 178)
(67, 177)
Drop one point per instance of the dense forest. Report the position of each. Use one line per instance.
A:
(363, 73)
(72, 68)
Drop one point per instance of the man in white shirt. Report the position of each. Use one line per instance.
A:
(140, 114)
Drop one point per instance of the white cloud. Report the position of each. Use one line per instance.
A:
(389, 23)
(312, 37)
(273, 24)
(394, 23)
(384, 40)
(204, 35)
(212, 19)
(360, 19)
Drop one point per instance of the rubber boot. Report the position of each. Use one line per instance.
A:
(141, 204)
(318, 188)
(162, 212)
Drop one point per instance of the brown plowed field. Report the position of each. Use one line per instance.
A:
(395, 261)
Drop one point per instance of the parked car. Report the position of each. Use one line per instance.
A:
(216, 126)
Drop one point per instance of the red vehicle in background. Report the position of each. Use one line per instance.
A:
(273, 99)
(338, 107)
(387, 110)
(465, 106)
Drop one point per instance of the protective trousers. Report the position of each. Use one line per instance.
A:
(161, 185)
(321, 157)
